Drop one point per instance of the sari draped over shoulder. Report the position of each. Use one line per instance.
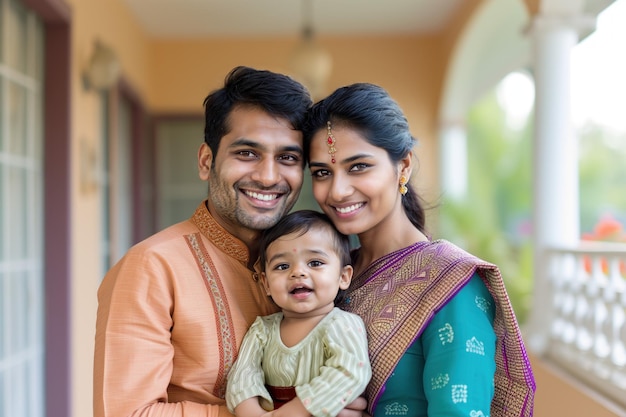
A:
(397, 296)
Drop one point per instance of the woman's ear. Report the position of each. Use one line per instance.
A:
(405, 165)
(205, 160)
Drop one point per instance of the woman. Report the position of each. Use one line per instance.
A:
(443, 338)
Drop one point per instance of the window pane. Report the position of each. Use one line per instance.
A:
(4, 198)
(35, 42)
(17, 309)
(17, 141)
(2, 113)
(15, 54)
(21, 211)
(4, 319)
(3, 397)
(177, 179)
(16, 210)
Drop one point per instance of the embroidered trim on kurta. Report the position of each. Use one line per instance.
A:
(226, 333)
(212, 230)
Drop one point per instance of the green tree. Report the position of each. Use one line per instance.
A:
(493, 221)
(602, 173)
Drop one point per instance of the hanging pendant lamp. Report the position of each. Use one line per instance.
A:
(311, 64)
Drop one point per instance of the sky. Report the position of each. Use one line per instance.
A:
(599, 72)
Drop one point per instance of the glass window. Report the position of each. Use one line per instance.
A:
(21, 204)
(180, 190)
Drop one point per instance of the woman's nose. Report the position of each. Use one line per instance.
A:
(341, 187)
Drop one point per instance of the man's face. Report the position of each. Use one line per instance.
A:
(256, 176)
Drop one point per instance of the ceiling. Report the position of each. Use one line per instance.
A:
(268, 18)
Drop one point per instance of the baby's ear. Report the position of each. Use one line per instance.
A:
(265, 283)
(346, 277)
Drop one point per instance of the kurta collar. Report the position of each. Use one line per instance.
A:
(213, 231)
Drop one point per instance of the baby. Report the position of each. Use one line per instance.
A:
(311, 358)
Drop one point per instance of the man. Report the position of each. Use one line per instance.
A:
(172, 313)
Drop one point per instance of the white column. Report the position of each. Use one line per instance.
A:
(453, 160)
(555, 158)
(555, 148)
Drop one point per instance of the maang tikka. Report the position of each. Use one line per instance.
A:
(330, 141)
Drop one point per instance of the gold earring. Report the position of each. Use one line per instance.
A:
(403, 181)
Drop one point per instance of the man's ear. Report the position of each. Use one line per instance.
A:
(205, 160)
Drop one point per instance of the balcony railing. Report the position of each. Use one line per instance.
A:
(587, 334)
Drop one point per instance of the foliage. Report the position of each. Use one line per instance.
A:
(493, 221)
(602, 176)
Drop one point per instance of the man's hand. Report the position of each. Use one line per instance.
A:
(355, 409)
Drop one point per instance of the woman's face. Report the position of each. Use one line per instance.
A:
(359, 191)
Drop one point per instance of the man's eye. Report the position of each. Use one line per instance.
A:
(289, 158)
(246, 154)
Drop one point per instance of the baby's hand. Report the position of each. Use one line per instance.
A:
(293, 408)
(355, 409)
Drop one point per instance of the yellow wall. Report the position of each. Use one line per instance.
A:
(109, 22)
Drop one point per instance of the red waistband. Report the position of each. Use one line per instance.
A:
(281, 395)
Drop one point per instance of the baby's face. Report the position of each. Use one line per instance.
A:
(303, 273)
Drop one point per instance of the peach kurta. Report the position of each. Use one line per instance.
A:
(171, 317)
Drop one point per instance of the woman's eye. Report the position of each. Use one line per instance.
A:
(320, 173)
(358, 167)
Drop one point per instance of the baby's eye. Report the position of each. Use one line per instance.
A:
(281, 267)
(316, 263)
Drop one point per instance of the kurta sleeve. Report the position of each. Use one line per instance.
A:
(246, 378)
(459, 351)
(133, 360)
(346, 370)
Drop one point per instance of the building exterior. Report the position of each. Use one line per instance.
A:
(87, 169)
